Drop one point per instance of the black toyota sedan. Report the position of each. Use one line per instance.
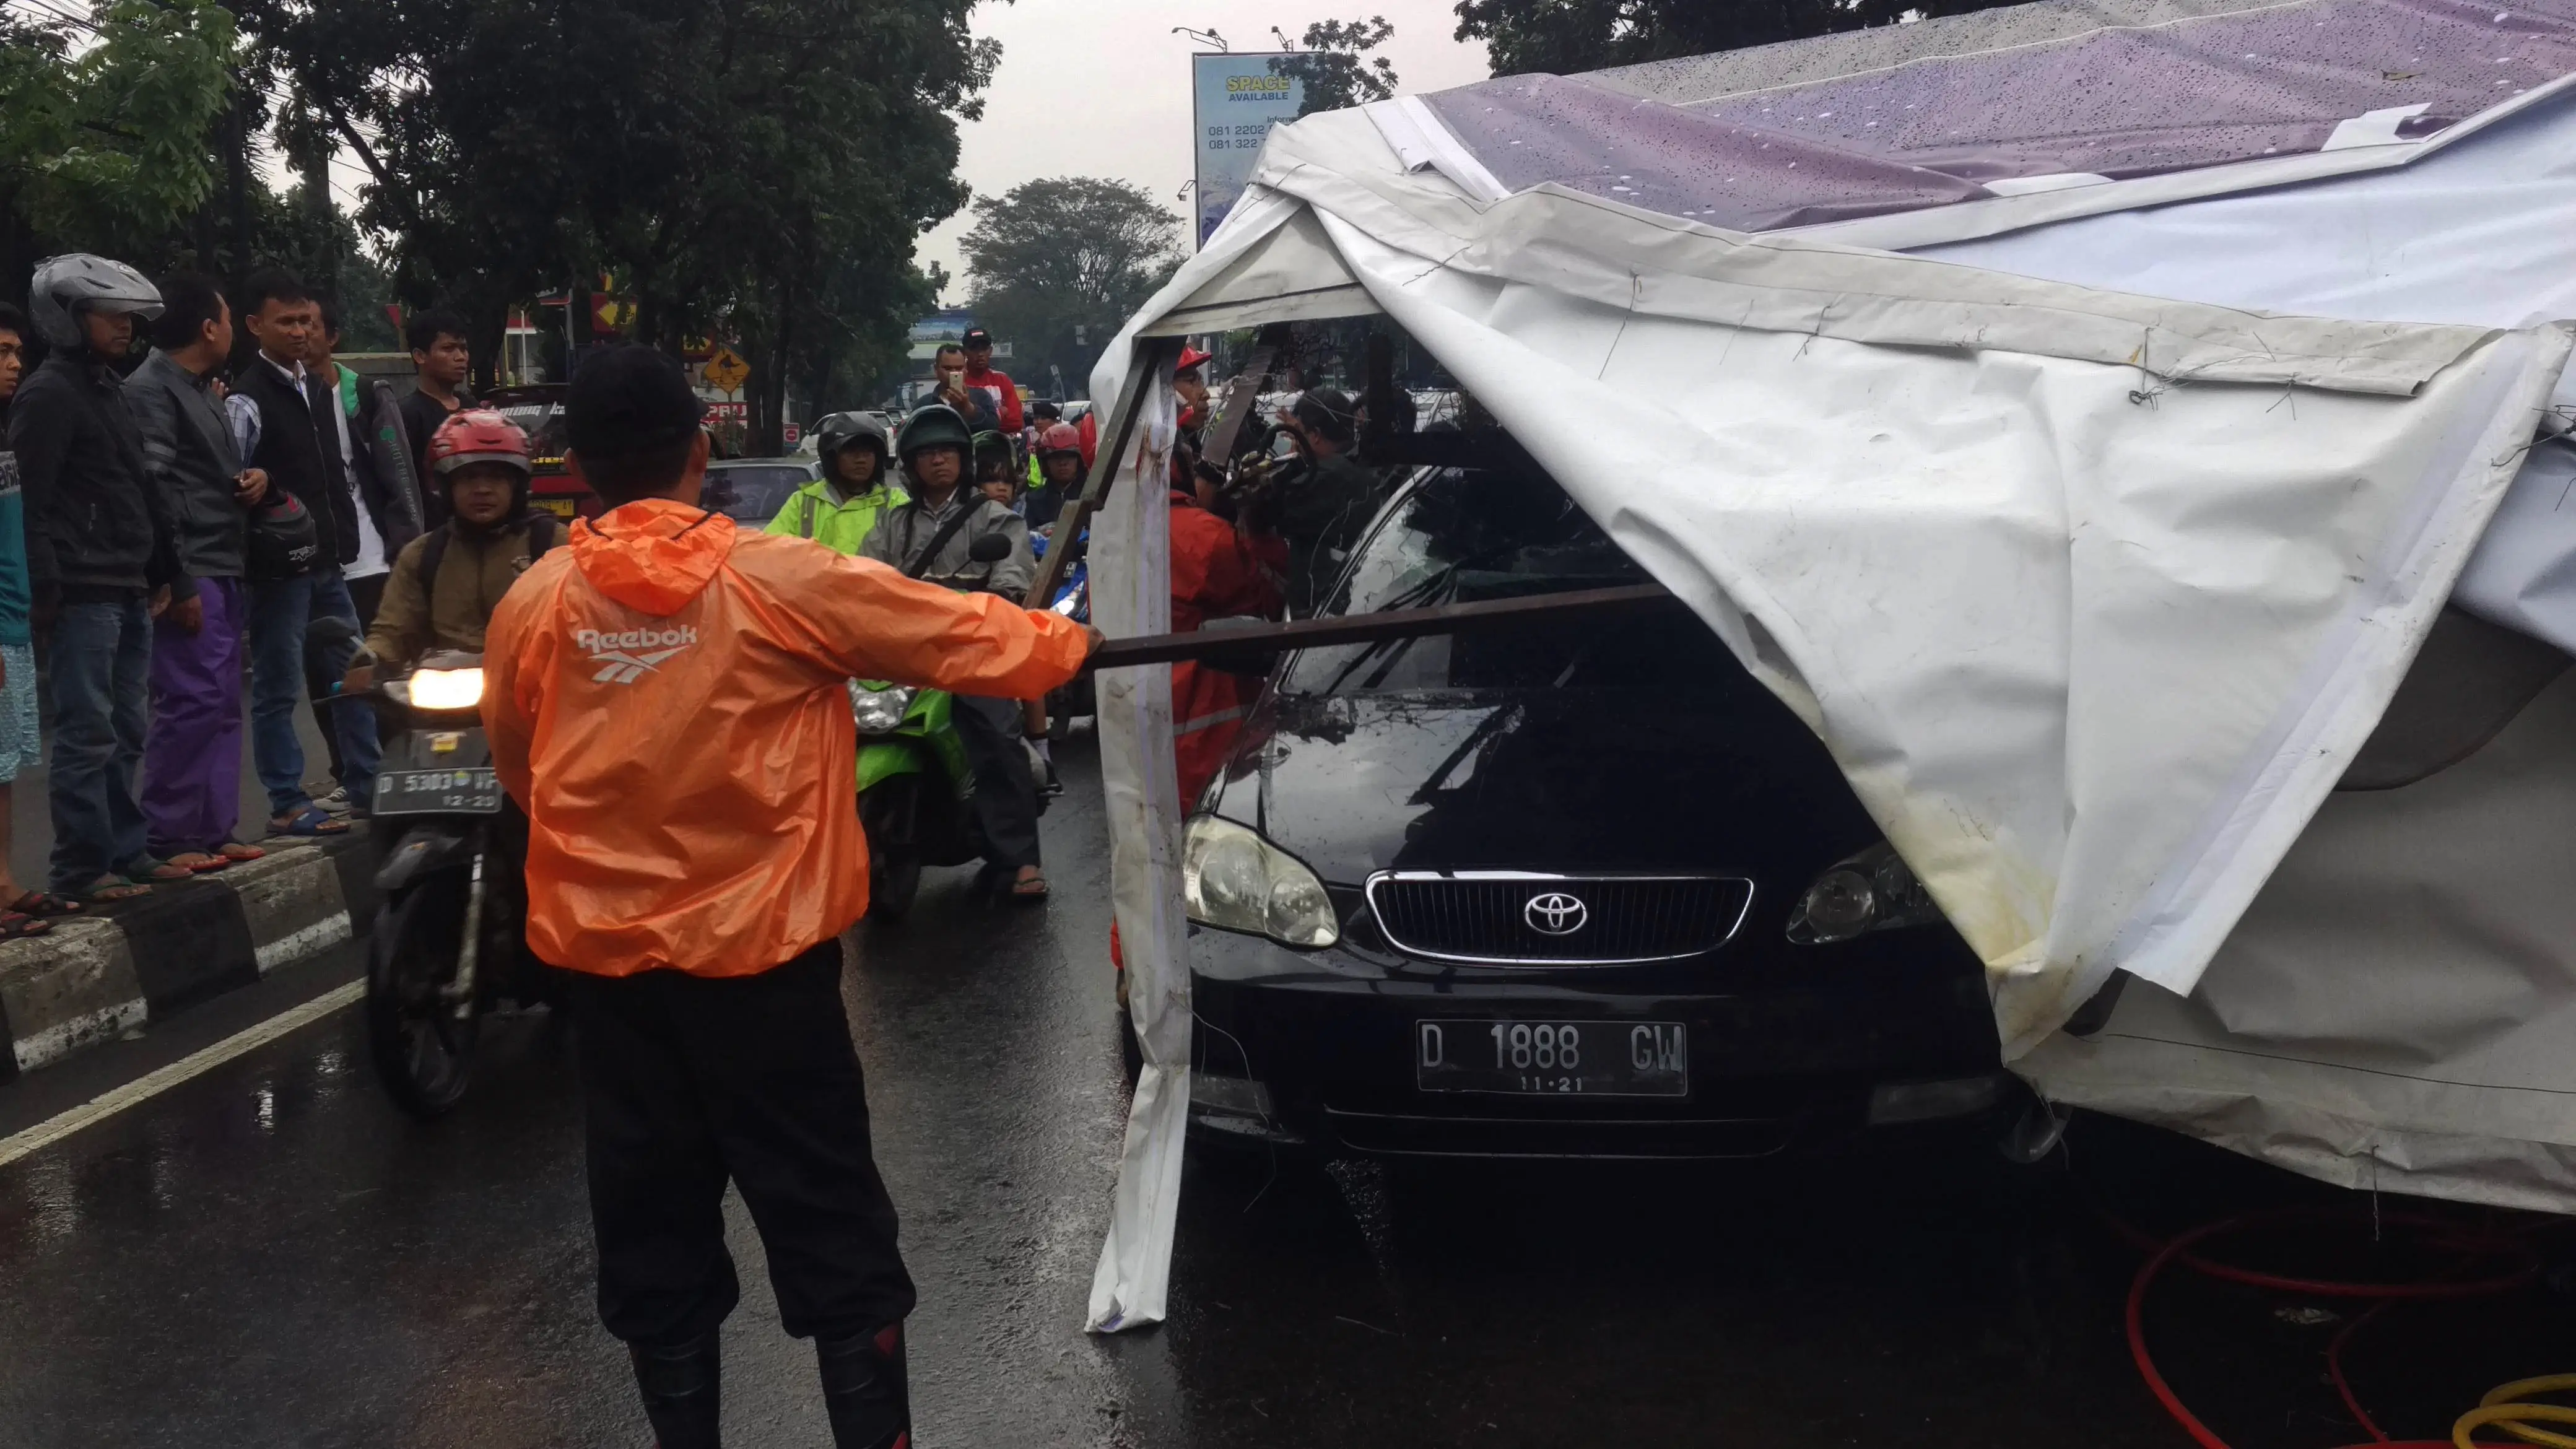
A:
(1562, 891)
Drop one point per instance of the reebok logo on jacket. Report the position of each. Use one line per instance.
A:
(617, 655)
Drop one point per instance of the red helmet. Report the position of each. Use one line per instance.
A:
(478, 435)
(1060, 438)
(1192, 357)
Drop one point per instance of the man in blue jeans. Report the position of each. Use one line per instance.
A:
(286, 423)
(100, 562)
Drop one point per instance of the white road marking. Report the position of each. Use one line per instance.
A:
(107, 1104)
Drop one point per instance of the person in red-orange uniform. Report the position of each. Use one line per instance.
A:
(1219, 569)
(665, 698)
(1189, 380)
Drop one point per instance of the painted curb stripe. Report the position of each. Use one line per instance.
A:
(92, 981)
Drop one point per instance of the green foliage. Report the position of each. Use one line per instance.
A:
(754, 169)
(106, 148)
(1057, 265)
(1336, 66)
(1563, 37)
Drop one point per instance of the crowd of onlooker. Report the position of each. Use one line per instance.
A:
(170, 534)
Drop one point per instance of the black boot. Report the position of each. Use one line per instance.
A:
(863, 1389)
(681, 1392)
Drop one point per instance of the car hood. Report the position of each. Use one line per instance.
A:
(1575, 781)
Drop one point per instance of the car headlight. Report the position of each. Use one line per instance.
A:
(879, 709)
(446, 689)
(1871, 891)
(1233, 879)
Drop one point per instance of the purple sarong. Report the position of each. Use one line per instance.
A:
(192, 755)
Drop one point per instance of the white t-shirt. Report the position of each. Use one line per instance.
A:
(371, 544)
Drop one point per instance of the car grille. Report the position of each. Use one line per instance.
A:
(1499, 917)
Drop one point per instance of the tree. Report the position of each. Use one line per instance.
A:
(109, 148)
(1336, 67)
(1057, 265)
(1563, 37)
(752, 169)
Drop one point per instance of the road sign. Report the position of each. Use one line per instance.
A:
(726, 372)
(791, 435)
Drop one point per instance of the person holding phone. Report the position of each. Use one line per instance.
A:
(970, 402)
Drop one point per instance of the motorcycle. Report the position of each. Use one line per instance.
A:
(449, 939)
(916, 789)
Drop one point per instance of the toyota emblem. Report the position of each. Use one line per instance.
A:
(1555, 914)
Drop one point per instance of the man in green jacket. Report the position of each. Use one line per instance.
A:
(841, 508)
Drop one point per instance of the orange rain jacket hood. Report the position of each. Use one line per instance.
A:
(666, 698)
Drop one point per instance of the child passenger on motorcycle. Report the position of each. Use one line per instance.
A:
(993, 469)
(446, 582)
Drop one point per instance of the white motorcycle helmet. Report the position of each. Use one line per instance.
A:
(66, 284)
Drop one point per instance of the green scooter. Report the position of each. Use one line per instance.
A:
(916, 791)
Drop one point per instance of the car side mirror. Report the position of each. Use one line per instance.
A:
(991, 548)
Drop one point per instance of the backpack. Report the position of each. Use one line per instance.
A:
(544, 532)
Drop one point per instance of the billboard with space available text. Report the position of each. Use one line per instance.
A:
(1237, 101)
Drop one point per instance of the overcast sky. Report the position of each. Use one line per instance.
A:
(1102, 87)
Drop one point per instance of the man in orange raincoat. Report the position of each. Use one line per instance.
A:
(665, 697)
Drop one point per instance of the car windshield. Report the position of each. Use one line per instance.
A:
(1457, 535)
(754, 493)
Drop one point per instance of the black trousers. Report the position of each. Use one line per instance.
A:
(1006, 794)
(689, 1081)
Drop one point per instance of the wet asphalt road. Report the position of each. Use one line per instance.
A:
(269, 1255)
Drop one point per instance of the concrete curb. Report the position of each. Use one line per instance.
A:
(95, 977)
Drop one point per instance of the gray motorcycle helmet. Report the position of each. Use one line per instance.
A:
(937, 426)
(840, 430)
(67, 284)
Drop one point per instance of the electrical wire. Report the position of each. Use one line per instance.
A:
(2503, 1262)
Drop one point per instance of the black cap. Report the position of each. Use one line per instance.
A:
(977, 337)
(629, 399)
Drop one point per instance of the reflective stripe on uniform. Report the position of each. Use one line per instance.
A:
(1209, 721)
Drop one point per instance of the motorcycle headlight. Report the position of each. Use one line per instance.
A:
(1871, 891)
(878, 709)
(1233, 879)
(1067, 604)
(446, 689)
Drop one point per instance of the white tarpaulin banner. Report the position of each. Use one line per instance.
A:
(2394, 1009)
(2093, 596)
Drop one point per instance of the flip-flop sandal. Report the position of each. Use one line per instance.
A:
(16, 927)
(309, 821)
(42, 906)
(235, 851)
(157, 872)
(115, 888)
(200, 862)
(1032, 889)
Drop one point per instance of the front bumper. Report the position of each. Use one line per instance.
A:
(1798, 1052)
